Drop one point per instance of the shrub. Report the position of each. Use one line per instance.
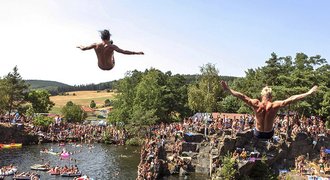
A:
(42, 121)
(228, 169)
(135, 141)
(92, 104)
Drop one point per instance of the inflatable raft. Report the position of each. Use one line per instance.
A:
(8, 172)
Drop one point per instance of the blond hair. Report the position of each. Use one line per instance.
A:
(267, 92)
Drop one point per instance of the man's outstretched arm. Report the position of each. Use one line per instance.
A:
(237, 94)
(295, 98)
(87, 47)
(116, 48)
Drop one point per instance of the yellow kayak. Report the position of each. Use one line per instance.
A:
(12, 145)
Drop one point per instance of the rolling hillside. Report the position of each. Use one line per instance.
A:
(48, 85)
(81, 98)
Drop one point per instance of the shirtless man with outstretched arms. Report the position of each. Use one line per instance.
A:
(104, 51)
(265, 109)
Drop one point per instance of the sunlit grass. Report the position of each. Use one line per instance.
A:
(81, 98)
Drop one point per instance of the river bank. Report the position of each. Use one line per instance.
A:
(183, 150)
(16, 134)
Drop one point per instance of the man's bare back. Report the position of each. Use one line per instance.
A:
(266, 110)
(105, 57)
(105, 51)
(265, 115)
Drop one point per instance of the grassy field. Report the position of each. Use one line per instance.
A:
(81, 98)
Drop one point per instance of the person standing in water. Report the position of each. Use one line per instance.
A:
(266, 110)
(105, 51)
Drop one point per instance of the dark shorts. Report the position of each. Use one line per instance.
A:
(263, 135)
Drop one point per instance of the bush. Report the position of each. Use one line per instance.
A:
(42, 121)
(92, 104)
(228, 169)
(73, 112)
(135, 141)
(107, 103)
(327, 124)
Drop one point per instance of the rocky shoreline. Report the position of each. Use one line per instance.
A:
(16, 134)
(196, 153)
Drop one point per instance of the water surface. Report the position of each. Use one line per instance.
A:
(100, 162)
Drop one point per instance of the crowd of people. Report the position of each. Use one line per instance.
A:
(27, 175)
(304, 165)
(64, 170)
(86, 133)
(170, 137)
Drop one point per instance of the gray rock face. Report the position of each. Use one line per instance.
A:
(189, 147)
(193, 137)
(228, 145)
(278, 154)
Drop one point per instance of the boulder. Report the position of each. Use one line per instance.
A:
(193, 137)
(228, 145)
(189, 147)
(182, 172)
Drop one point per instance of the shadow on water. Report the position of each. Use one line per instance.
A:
(100, 162)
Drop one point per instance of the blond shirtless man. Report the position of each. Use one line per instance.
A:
(104, 51)
(266, 110)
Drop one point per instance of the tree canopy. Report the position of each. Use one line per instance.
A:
(288, 76)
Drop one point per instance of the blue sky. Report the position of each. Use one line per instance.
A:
(40, 36)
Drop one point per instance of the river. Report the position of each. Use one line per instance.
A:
(100, 162)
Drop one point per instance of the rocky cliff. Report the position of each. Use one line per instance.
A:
(16, 134)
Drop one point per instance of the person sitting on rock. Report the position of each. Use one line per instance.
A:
(243, 154)
(235, 155)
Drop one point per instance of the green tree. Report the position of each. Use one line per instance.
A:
(107, 103)
(123, 103)
(92, 104)
(150, 94)
(162, 96)
(42, 121)
(15, 90)
(325, 109)
(40, 101)
(288, 76)
(228, 169)
(29, 113)
(73, 112)
(230, 104)
(4, 98)
(205, 95)
(327, 124)
(175, 97)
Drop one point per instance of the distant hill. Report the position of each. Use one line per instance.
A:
(37, 84)
(55, 87)
(51, 86)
